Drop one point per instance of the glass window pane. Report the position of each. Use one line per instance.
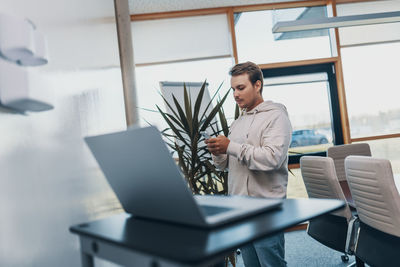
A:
(149, 78)
(376, 33)
(292, 79)
(307, 101)
(296, 187)
(387, 149)
(181, 38)
(257, 43)
(371, 82)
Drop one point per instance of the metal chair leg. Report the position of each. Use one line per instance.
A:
(359, 262)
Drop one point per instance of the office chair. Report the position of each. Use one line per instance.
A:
(378, 205)
(340, 152)
(335, 230)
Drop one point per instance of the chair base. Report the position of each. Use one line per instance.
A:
(377, 248)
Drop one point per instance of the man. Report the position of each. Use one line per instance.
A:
(256, 153)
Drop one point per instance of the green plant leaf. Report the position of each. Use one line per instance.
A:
(213, 112)
(209, 104)
(172, 126)
(224, 123)
(175, 120)
(197, 107)
(237, 111)
(210, 166)
(149, 110)
(188, 109)
(182, 115)
(193, 155)
(180, 150)
(148, 122)
(169, 106)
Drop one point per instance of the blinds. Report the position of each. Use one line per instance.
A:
(178, 39)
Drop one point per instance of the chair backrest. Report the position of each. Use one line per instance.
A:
(374, 192)
(340, 152)
(321, 182)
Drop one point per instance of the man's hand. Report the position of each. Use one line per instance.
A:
(217, 145)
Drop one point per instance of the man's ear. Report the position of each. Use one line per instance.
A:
(258, 85)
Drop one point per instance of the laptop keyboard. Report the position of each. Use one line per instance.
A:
(212, 210)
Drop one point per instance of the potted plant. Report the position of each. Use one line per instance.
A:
(183, 135)
(185, 122)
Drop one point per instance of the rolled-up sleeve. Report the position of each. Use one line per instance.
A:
(220, 161)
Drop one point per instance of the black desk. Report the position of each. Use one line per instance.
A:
(135, 242)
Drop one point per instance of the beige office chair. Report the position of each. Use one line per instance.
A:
(340, 152)
(334, 230)
(378, 205)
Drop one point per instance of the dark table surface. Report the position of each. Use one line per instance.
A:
(185, 244)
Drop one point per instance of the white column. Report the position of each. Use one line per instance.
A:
(123, 20)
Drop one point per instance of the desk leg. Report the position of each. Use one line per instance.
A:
(86, 260)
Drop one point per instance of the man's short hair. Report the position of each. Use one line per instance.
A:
(252, 69)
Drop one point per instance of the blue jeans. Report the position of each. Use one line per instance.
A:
(267, 252)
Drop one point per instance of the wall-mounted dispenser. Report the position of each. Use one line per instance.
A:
(21, 45)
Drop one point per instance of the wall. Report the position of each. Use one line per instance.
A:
(49, 179)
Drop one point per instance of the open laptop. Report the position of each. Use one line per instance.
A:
(149, 184)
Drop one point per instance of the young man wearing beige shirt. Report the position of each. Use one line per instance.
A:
(256, 153)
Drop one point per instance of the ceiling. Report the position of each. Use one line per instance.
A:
(82, 34)
(152, 6)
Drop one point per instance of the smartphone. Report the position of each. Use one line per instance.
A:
(205, 135)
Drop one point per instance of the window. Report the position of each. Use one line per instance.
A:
(186, 49)
(387, 149)
(370, 64)
(371, 81)
(179, 39)
(310, 96)
(296, 187)
(149, 77)
(257, 43)
(377, 33)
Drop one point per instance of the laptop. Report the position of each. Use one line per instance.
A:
(149, 184)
